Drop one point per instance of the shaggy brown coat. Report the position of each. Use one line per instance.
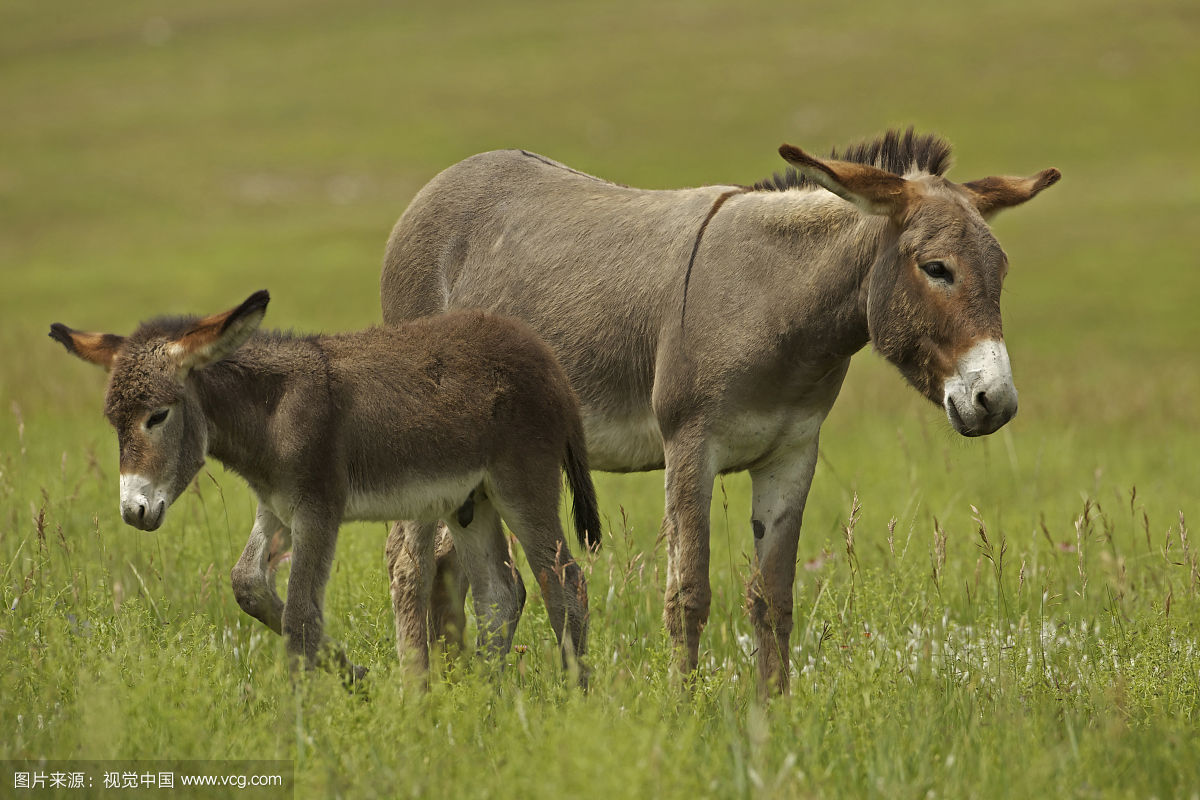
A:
(465, 417)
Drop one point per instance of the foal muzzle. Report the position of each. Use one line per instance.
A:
(979, 397)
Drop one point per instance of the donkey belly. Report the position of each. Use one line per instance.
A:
(421, 499)
(608, 361)
(623, 444)
(745, 439)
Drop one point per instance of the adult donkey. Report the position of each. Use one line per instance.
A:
(708, 330)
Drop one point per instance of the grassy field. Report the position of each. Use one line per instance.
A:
(1013, 616)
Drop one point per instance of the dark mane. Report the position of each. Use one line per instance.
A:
(896, 152)
(170, 327)
(173, 327)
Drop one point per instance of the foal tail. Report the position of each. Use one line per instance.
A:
(584, 508)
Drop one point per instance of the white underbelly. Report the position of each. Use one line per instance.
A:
(629, 444)
(743, 439)
(737, 441)
(424, 500)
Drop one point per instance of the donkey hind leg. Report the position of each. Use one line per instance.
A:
(530, 506)
(780, 492)
(253, 576)
(410, 550)
(689, 482)
(496, 585)
(447, 617)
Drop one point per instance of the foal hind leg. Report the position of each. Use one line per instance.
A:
(780, 491)
(496, 586)
(410, 549)
(529, 502)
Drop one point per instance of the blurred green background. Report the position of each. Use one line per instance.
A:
(173, 157)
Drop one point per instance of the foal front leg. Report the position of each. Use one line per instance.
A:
(253, 576)
(314, 536)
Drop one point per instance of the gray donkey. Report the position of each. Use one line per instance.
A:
(708, 330)
(465, 418)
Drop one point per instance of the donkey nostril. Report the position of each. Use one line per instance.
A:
(981, 401)
(141, 511)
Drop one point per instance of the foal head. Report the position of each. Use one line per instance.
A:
(162, 435)
(933, 295)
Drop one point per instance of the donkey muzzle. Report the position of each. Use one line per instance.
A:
(142, 505)
(979, 397)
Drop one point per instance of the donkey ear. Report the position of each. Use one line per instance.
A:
(873, 190)
(991, 195)
(96, 348)
(213, 338)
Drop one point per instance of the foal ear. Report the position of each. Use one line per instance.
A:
(213, 338)
(873, 190)
(96, 348)
(990, 195)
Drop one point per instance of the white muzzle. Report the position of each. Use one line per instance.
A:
(143, 505)
(979, 396)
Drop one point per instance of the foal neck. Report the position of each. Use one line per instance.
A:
(242, 397)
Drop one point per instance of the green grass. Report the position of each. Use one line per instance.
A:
(165, 159)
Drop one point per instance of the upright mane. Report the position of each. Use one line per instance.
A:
(173, 327)
(896, 152)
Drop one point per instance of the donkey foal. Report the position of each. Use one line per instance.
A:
(465, 418)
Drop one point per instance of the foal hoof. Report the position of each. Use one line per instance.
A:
(333, 659)
(354, 679)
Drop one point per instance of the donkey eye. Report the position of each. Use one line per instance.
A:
(157, 417)
(938, 271)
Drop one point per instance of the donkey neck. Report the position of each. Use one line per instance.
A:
(816, 270)
(240, 395)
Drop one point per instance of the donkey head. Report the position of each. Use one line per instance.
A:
(933, 295)
(161, 430)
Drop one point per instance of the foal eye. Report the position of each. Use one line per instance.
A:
(157, 417)
(938, 271)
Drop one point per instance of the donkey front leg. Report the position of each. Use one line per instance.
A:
(447, 615)
(689, 481)
(253, 576)
(780, 491)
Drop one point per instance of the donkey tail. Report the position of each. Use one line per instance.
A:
(584, 508)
